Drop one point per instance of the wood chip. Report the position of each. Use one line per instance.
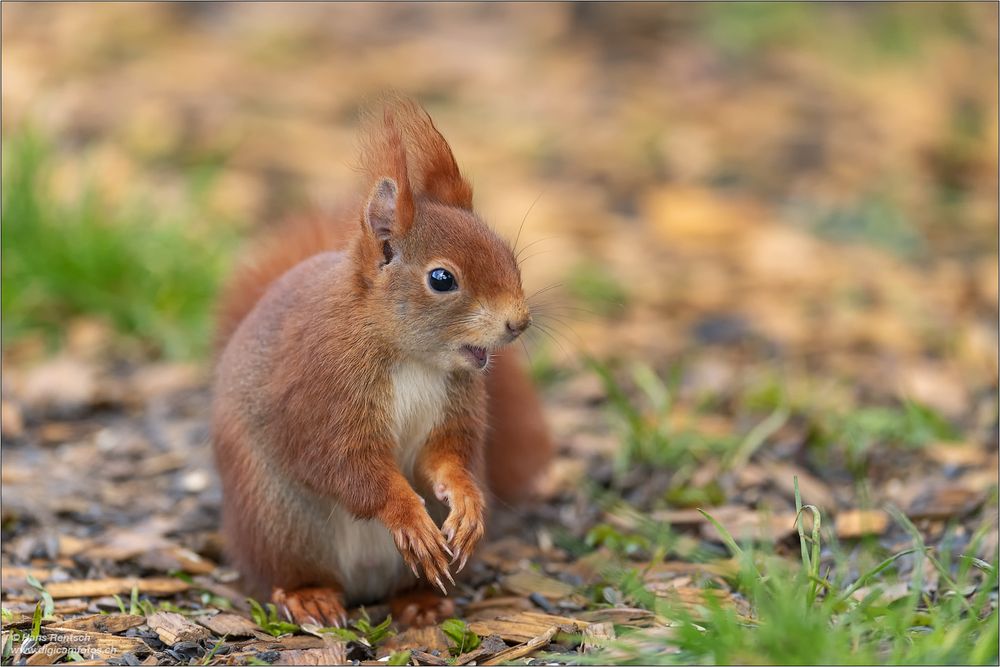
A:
(290, 642)
(427, 639)
(17, 577)
(426, 658)
(232, 625)
(752, 525)
(955, 454)
(858, 523)
(329, 655)
(637, 618)
(46, 654)
(97, 645)
(11, 421)
(524, 626)
(508, 604)
(518, 652)
(108, 623)
(597, 635)
(472, 656)
(886, 594)
(812, 489)
(946, 502)
(172, 628)
(694, 517)
(526, 582)
(90, 588)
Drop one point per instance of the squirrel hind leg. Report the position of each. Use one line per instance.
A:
(321, 605)
(420, 608)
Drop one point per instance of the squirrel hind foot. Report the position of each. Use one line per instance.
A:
(317, 606)
(420, 608)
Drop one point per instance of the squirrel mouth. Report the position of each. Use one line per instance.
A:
(479, 356)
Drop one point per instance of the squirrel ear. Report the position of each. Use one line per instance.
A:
(380, 211)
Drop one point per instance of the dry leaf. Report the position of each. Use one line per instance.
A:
(858, 523)
(527, 582)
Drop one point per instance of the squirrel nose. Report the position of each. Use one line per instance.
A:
(516, 328)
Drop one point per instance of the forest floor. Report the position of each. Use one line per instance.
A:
(769, 360)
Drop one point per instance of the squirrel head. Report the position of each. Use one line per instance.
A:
(449, 285)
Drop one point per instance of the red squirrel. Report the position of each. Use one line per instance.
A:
(361, 392)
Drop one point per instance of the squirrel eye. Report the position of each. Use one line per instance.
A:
(441, 281)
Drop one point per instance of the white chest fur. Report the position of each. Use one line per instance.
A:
(418, 405)
(360, 554)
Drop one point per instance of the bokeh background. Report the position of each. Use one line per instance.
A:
(770, 232)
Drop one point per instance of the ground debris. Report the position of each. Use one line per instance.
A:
(173, 628)
(104, 623)
(858, 523)
(524, 626)
(231, 625)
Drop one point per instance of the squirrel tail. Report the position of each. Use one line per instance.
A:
(267, 259)
(519, 447)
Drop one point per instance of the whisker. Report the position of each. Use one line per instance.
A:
(579, 339)
(543, 290)
(520, 262)
(530, 360)
(545, 330)
(546, 308)
(526, 214)
(535, 242)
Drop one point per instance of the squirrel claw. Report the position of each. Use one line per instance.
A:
(437, 582)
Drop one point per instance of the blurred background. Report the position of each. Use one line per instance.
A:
(771, 231)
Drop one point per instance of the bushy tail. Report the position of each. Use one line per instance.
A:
(268, 259)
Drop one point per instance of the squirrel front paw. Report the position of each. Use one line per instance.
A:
(466, 521)
(423, 547)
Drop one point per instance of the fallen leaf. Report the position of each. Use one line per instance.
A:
(946, 502)
(752, 525)
(11, 421)
(858, 523)
(887, 594)
(955, 454)
(62, 385)
(527, 582)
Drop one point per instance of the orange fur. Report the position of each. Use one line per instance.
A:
(320, 332)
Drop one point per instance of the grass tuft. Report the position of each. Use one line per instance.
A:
(150, 275)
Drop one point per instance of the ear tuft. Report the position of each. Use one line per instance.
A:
(380, 212)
